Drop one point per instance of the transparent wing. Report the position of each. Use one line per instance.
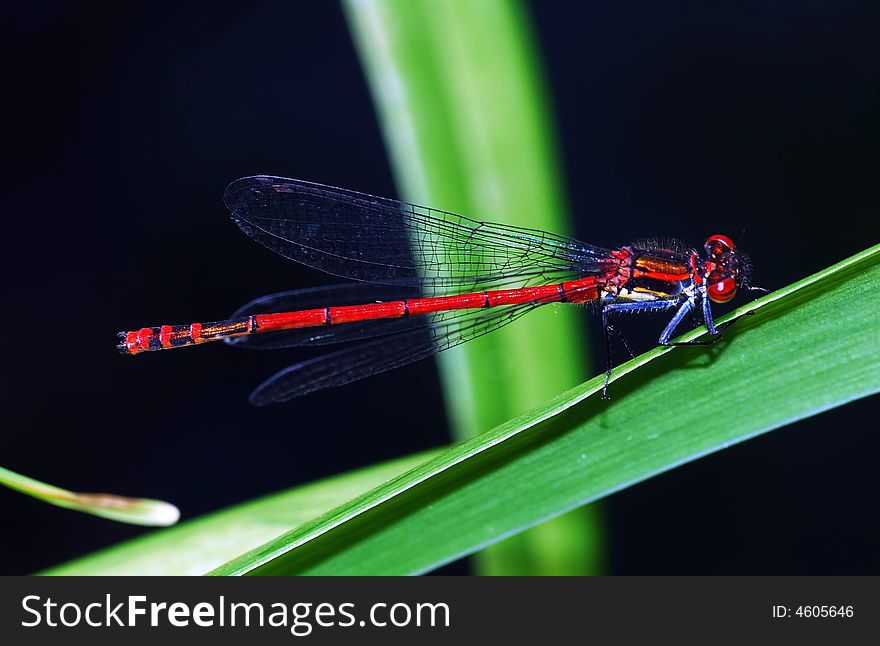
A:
(375, 239)
(381, 354)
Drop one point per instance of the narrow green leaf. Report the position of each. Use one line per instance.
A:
(134, 511)
(804, 350)
(197, 546)
(467, 128)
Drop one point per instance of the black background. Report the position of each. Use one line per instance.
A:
(124, 122)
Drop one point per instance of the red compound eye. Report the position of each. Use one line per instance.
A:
(720, 239)
(721, 291)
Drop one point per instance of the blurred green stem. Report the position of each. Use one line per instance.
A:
(463, 111)
(135, 511)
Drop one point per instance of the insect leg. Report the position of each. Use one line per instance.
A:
(608, 325)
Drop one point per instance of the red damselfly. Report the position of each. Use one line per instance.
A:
(429, 280)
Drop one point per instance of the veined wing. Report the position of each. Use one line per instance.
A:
(376, 239)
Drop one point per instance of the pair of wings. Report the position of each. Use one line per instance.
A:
(397, 250)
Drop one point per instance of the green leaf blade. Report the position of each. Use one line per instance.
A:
(805, 350)
(196, 546)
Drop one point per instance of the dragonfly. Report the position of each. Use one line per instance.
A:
(424, 280)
